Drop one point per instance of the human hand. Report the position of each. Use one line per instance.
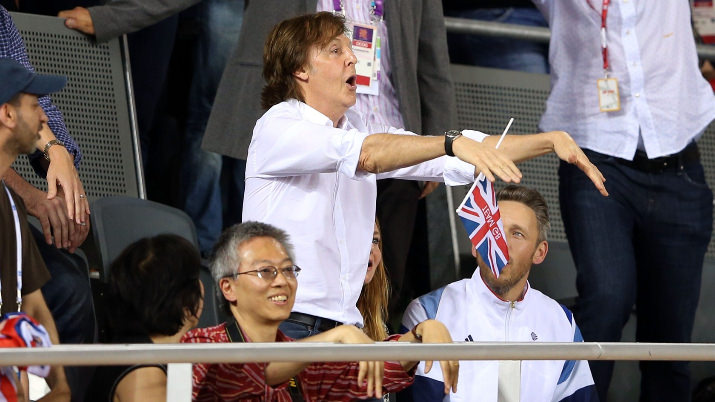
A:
(487, 160)
(429, 187)
(61, 172)
(567, 150)
(371, 372)
(433, 331)
(52, 214)
(79, 19)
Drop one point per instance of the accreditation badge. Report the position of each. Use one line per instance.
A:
(366, 46)
(608, 98)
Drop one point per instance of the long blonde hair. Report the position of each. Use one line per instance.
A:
(373, 300)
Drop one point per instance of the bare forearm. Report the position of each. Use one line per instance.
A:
(278, 373)
(519, 148)
(386, 152)
(34, 305)
(18, 184)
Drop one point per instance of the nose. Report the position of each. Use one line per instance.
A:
(350, 59)
(280, 279)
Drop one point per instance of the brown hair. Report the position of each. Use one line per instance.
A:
(373, 301)
(532, 199)
(286, 51)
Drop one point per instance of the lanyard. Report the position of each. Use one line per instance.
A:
(18, 246)
(376, 8)
(604, 41)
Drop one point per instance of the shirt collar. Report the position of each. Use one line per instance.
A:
(314, 116)
(477, 285)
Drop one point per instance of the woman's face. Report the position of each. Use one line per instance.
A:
(375, 255)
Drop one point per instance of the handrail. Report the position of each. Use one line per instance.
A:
(536, 34)
(82, 355)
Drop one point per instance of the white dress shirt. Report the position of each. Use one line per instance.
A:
(302, 176)
(651, 53)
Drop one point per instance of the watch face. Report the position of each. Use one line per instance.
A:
(453, 133)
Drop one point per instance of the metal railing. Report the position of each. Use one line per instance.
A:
(79, 355)
(179, 356)
(536, 34)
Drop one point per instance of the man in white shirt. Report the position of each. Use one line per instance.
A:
(637, 109)
(313, 164)
(486, 308)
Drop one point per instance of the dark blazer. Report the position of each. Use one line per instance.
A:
(120, 17)
(419, 60)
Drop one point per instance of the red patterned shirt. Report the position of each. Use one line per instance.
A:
(331, 381)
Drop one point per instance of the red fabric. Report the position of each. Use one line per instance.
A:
(19, 330)
(333, 381)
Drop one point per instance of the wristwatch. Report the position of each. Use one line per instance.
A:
(449, 137)
(49, 145)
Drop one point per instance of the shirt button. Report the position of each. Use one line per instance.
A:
(628, 32)
(637, 94)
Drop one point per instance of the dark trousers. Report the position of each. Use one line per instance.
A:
(69, 297)
(643, 245)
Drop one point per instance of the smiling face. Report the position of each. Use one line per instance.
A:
(525, 249)
(328, 80)
(255, 302)
(375, 255)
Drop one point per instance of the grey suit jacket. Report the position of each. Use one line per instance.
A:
(419, 60)
(125, 16)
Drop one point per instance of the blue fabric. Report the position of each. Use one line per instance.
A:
(643, 245)
(297, 330)
(568, 313)
(495, 52)
(585, 394)
(12, 46)
(220, 24)
(430, 302)
(567, 370)
(426, 389)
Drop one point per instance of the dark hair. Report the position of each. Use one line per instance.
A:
(286, 51)
(225, 259)
(532, 199)
(152, 285)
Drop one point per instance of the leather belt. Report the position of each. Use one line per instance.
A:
(672, 162)
(310, 320)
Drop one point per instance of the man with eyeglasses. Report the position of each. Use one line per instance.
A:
(255, 274)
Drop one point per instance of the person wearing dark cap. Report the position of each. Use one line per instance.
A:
(68, 293)
(22, 271)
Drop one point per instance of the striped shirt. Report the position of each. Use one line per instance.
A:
(12, 46)
(383, 110)
(332, 381)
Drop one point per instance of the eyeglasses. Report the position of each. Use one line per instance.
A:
(269, 273)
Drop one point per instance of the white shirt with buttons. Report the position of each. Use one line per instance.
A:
(651, 49)
(302, 176)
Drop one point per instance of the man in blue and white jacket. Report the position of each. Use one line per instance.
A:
(505, 309)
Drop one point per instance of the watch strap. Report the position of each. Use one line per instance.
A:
(449, 137)
(49, 145)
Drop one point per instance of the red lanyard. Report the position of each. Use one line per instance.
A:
(604, 42)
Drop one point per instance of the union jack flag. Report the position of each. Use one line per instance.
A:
(480, 216)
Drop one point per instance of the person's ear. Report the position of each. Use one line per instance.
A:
(7, 115)
(227, 289)
(540, 253)
(301, 73)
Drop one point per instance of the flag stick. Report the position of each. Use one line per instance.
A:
(508, 125)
